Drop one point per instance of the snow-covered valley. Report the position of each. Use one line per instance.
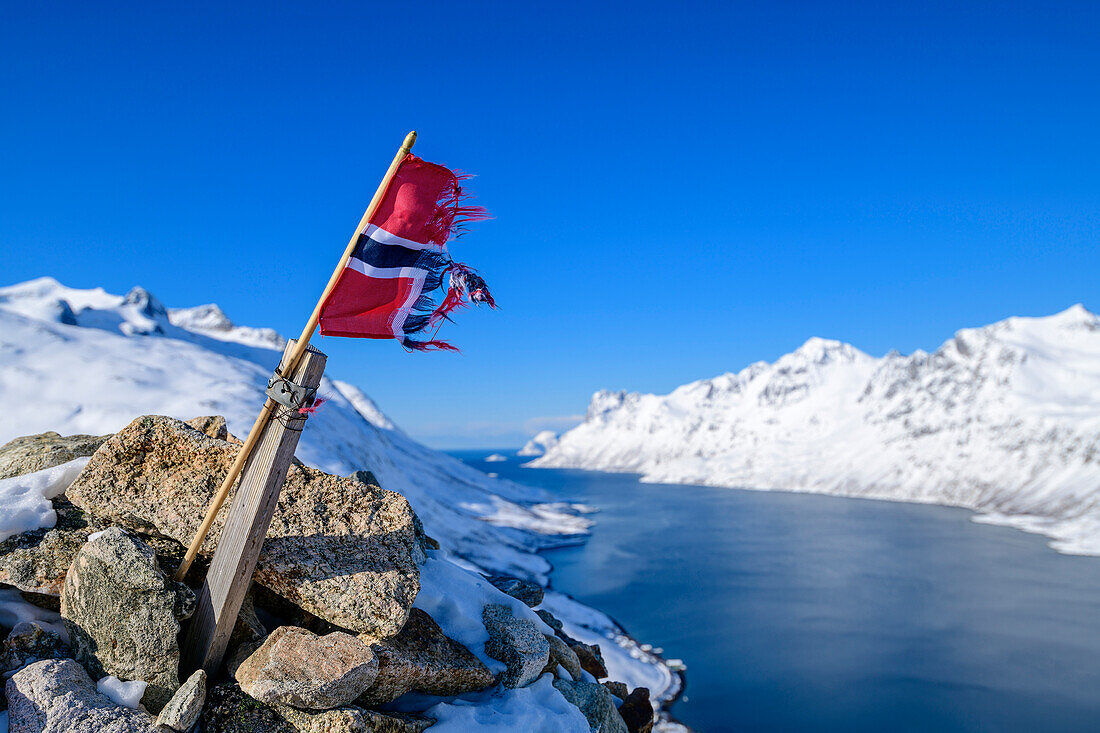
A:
(1004, 420)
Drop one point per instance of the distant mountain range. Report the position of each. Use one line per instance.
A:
(1003, 419)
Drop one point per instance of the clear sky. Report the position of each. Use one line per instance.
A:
(679, 188)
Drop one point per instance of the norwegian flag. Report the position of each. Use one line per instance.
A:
(387, 290)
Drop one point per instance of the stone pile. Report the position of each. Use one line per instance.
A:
(335, 584)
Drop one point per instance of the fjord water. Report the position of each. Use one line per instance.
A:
(796, 612)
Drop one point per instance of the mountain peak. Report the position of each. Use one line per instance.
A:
(817, 350)
(145, 302)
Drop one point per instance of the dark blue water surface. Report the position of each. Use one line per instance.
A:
(814, 613)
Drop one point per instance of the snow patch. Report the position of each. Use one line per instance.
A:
(537, 708)
(25, 500)
(455, 597)
(126, 694)
(15, 610)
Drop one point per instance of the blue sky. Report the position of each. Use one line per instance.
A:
(679, 189)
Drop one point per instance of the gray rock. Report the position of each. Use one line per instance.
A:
(423, 659)
(345, 551)
(31, 642)
(595, 702)
(560, 653)
(58, 696)
(516, 642)
(37, 561)
(121, 612)
(35, 452)
(524, 591)
(364, 476)
(184, 708)
(296, 667)
(550, 620)
(229, 710)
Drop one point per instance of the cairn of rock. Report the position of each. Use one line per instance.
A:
(326, 636)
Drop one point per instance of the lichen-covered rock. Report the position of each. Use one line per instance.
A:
(31, 453)
(343, 550)
(184, 708)
(595, 702)
(229, 710)
(353, 720)
(58, 696)
(517, 642)
(213, 426)
(37, 561)
(122, 614)
(31, 642)
(523, 591)
(591, 659)
(296, 667)
(637, 712)
(560, 653)
(423, 659)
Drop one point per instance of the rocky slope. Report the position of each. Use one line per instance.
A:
(87, 362)
(1003, 419)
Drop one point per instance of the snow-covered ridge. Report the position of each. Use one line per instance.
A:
(86, 361)
(539, 444)
(1003, 419)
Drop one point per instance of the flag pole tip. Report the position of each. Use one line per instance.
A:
(410, 139)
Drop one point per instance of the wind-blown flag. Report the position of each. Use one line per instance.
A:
(386, 290)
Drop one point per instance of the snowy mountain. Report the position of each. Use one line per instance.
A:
(1003, 419)
(87, 361)
(539, 444)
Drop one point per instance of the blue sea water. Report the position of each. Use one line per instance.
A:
(796, 612)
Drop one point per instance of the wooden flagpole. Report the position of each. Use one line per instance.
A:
(291, 364)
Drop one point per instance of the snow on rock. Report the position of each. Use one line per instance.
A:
(1003, 419)
(126, 694)
(537, 708)
(25, 499)
(14, 609)
(625, 659)
(539, 444)
(210, 320)
(455, 596)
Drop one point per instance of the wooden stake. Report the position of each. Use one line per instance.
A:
(246, 526)
(291, 364)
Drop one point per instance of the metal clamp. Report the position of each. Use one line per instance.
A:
(288, 393)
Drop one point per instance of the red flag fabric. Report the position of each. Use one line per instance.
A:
(387, 290)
